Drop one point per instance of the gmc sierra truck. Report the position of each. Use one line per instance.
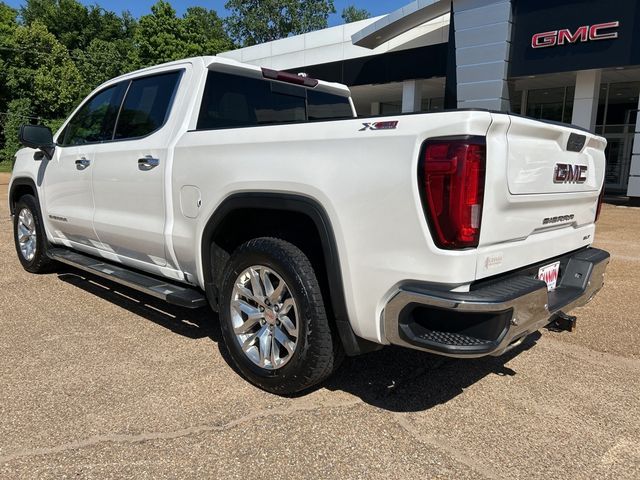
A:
(314, 233)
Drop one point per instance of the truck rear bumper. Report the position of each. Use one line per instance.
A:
(495, 315)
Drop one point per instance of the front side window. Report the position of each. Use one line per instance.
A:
(146, 105)
(95, 121)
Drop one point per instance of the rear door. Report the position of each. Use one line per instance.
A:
(68, 176)
(129, 172)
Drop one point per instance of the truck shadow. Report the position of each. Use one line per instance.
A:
(393, 379)
(402, 380)
(194, 324)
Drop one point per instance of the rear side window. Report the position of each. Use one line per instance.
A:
(146, 106)
(94, 122)
(324, 106)
(233, 101)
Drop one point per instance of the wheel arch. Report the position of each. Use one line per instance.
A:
(214, 259)
(22, 186)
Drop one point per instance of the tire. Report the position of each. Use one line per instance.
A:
(28, 227)
(312, 351)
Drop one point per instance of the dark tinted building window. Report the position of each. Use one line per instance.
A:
(146, 105)
(323, 106)
(95, 121)
(551, 104)
(232, 101)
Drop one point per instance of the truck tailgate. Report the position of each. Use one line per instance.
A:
(537, 149)
(541, 195)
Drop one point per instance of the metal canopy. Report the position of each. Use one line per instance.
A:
(400, 21)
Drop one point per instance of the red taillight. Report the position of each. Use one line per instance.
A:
(452, 178)
(600, 202)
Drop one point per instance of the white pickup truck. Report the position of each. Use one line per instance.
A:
(314, 233)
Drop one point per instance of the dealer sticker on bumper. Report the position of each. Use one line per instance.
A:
(549, 275)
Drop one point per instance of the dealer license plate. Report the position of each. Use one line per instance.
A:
(549, 275)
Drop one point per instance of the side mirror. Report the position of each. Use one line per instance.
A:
(39, 137)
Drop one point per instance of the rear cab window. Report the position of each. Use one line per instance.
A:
(324, 106)
(234, 101)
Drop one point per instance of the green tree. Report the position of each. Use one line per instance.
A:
(257, 21)
(54, 52)
(162, 36)
(8, 24)
(41, 70)
(353, 14)
(8, 16)
(159, 35)
(204, 32)
(65, 19)
(18, 113)
(108, 26)
(74, 24)
(102, 61)
(79, 27)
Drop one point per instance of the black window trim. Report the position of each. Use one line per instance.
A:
(115, 124)
(279, 124)
(181, 71)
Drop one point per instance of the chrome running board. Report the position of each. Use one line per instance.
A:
(174, 294)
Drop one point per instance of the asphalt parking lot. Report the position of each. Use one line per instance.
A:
(98, 381)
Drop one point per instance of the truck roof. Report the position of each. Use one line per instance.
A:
(230, 66)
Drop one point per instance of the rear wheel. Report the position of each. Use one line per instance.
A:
(29, 236)
(273, 318)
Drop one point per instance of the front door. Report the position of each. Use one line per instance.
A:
(67, 177)
(129, 173)
(68, 196)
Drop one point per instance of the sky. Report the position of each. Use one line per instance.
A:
(141, 7)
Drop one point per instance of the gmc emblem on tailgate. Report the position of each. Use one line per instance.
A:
(565, 173)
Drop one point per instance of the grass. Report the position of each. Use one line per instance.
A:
(5, 167)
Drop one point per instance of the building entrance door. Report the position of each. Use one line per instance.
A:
(618, 153)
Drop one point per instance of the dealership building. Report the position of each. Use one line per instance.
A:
(572, 61)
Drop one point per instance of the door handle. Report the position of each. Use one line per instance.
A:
(147, 163)
(82, 163)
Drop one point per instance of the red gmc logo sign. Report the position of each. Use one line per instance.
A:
(586, 33)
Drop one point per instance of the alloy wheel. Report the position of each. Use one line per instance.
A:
(264, 315)
(26, 234)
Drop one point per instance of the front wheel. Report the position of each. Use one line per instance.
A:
(29, 236)
(273, 318)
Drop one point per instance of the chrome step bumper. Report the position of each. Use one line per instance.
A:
(495, 317)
